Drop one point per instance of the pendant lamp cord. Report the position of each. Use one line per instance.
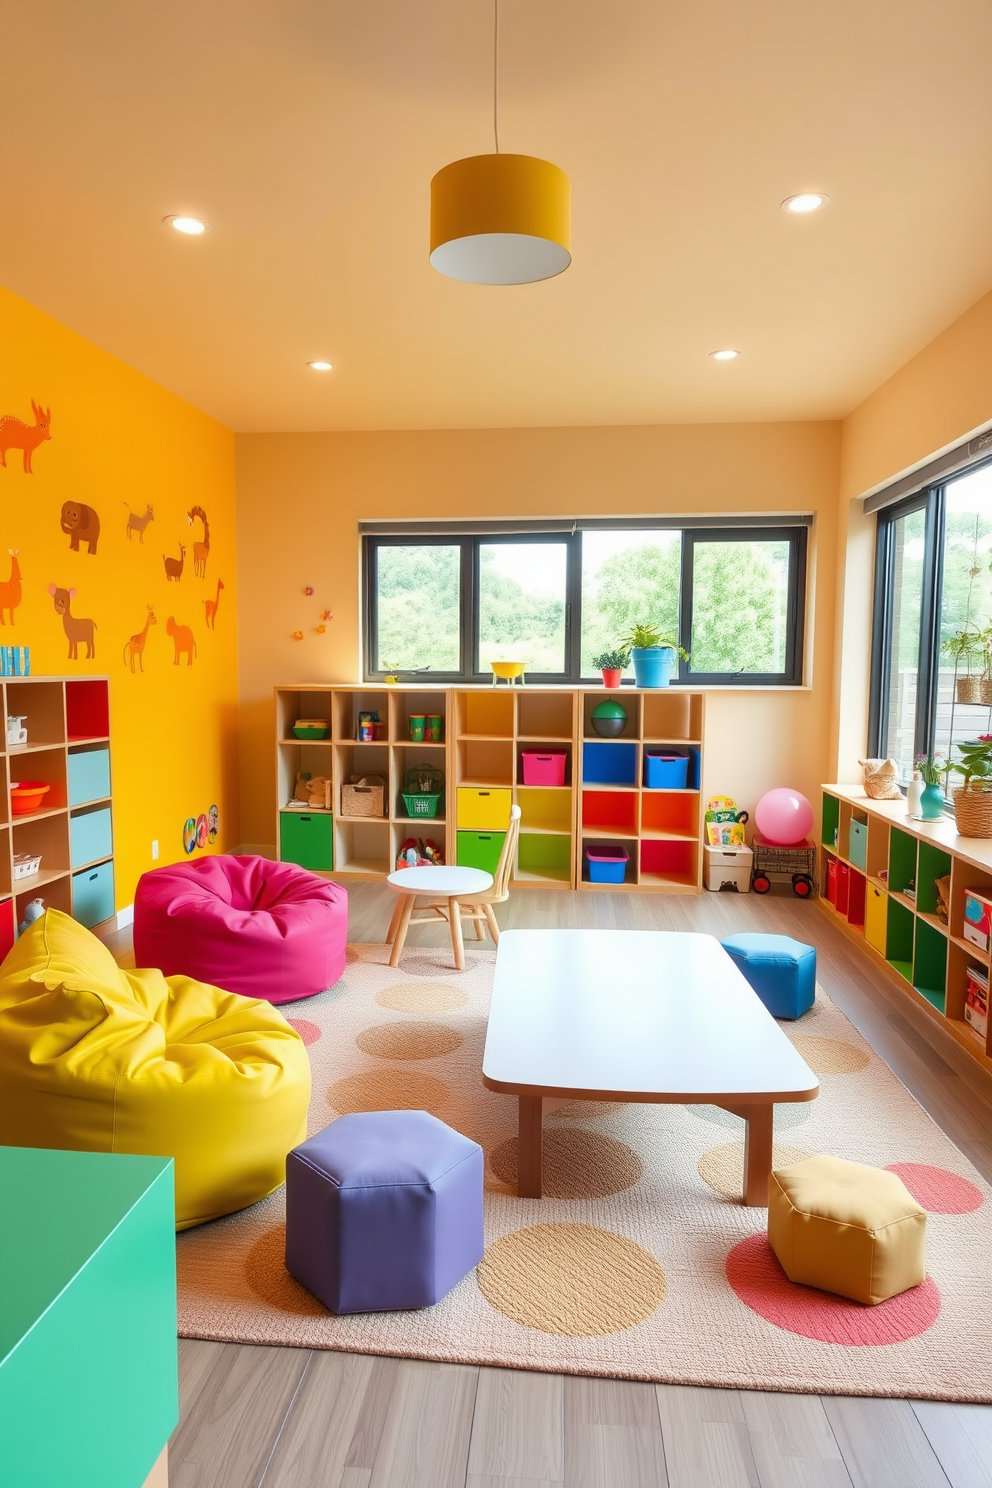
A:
(496, 73)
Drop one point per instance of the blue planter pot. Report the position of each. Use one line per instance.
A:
(932, 803)
(653, 665)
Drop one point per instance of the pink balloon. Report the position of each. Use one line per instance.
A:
(783, 816)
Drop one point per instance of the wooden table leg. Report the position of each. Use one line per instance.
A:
(530, 1147)
(395, 921)
(757, 1154)
(401, 929)
(457, 944)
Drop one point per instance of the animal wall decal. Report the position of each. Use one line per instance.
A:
(76, 628)
(10, 593)
(210, 605)
(137, 523)
(174, 566)
(82, 525)
(182, 639)
(135, 647)
(15, 434)
(201, 550)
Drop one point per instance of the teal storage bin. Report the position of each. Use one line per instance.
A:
(857, 847)
(307, 839)
(93, 895)
(89, 776)
(90, 836)
(480, 850)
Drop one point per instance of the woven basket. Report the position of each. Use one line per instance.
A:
(973, 812)
(969, 689)
(985, 692)
(362, 800)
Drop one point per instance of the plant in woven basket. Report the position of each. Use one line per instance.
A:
(973, 798)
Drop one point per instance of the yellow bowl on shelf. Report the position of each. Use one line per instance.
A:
(508, 669)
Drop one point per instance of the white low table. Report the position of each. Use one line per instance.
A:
(438, 881)
(634, 1015)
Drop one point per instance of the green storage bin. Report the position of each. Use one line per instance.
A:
(857, 847)
(90, 836)
(480, 850)
(307, 838)
(88, 776)
(93, 895)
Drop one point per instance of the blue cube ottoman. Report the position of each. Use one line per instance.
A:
(383, 1211)
(781, 970)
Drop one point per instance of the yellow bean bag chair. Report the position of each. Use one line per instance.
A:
(97, 1059)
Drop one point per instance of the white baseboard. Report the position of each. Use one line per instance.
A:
(125, 917)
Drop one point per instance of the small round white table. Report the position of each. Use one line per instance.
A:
(440, 882)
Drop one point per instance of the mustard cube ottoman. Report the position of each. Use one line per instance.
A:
(846, 1228)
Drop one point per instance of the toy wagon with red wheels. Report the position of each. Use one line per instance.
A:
(776, 864)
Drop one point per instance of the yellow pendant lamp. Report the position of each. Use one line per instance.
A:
(500, 219)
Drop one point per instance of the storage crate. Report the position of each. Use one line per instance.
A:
(857, 847)
(607, 864)
(90, 837)
(307, 838)
(93, 895)
(482, 809)
(362, 800)
(89, 776)
(479, 850)
(665, 771)
(543, 769)
(728, 868)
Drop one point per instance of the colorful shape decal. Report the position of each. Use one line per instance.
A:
(189, 835)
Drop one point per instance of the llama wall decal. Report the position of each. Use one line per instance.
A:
(76, 628)
(137, 523)
(15, 434)
(210, 605)
(182, 639)
(10, 593)
(135, 647)
(201, 550)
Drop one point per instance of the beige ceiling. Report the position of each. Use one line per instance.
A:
(307, 131)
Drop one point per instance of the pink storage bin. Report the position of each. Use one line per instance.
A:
(543, 769)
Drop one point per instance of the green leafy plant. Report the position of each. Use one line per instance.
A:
(975, 763)
(932, 767)
(651, 638)
(968, 647)
(611, 661)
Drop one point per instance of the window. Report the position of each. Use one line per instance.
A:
(734, 597)
(933, 582)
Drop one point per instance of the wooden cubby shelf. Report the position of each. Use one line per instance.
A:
(487, 731)
(878, 876)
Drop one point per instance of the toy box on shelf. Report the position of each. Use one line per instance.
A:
(976, 1001)
(977, 925)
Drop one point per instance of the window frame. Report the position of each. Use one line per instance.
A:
(470, 543)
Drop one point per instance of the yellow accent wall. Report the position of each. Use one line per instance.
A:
(119, 440)
(301, 497)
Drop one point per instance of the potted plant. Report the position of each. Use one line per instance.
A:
(969, 649)
(973, 798)
(933, 768)
(612, 664)
(653, 655)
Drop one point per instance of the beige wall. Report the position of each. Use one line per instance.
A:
(938, 399)
(301, 497)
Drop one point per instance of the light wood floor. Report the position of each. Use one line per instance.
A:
(291, 1418)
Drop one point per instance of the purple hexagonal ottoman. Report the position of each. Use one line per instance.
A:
(383, 1211)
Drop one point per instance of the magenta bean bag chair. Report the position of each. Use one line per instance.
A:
(248, 925)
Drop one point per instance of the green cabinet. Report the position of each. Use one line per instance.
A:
(88, 1354)
(480, 850)
(307, 838)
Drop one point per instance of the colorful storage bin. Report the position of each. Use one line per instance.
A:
(857, 847)
(543, 769)
(665, 771)
(88, 776)
(90, 837)
(480, 850)
(484, 809)
(607, 864)
(93, 895)
(307, 839)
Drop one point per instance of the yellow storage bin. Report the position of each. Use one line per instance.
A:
(876, 915)
(483, 810)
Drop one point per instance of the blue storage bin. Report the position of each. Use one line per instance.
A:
(93, 895)
(90, 836)
(89, 776)
(609, 764)
(666, 771)
(607, 864)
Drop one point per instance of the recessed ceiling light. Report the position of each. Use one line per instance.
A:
(724, 356)
(321, 366)
(191, 226)
(806, 201)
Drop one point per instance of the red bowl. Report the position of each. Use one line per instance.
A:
(26, 796)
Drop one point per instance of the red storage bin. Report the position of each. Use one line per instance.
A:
(543, 769)
(832, 881)
(856, 899)
(843, 888)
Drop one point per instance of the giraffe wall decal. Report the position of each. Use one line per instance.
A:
(201, 550)
(135, 647)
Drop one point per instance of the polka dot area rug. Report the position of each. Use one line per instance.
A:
(640, 1261)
